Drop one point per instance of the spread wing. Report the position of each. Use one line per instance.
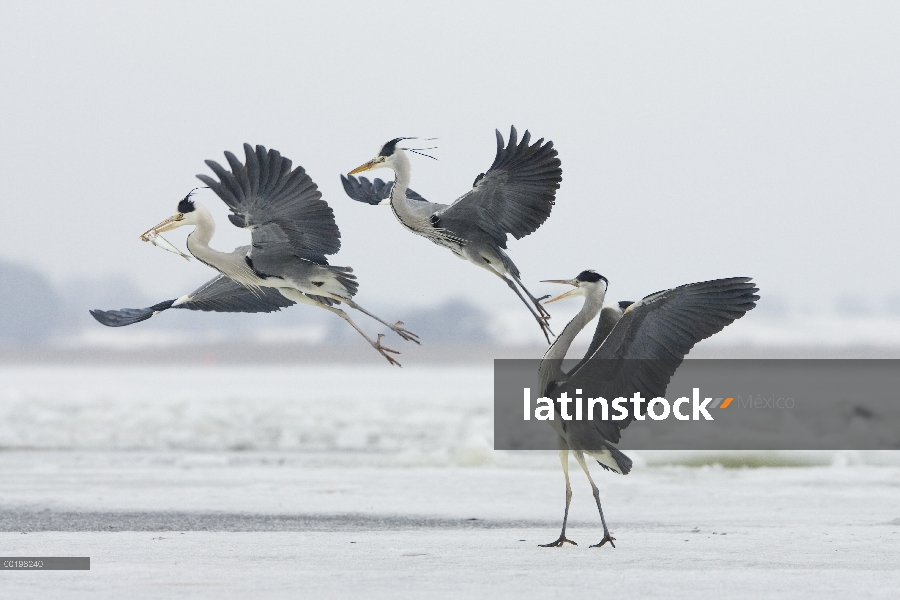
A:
(221, 294)
(224, 294)
(282, 208)
(609, 317)
(649, 342)
(373, 192)
(129, 316)
(514, 196)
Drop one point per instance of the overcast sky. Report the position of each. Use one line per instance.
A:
(698, 140)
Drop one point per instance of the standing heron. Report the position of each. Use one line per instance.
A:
(635, 350)
(292, 232)
(514, 196)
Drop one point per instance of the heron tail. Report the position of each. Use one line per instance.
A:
(612, 459)
(345, 277)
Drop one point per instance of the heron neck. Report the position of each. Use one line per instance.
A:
(401, 184)
(198, 240)
(551, 364)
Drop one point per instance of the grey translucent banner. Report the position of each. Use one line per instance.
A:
(45, 563)
(774, 405)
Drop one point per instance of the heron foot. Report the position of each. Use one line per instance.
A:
(543, 319)
(606, 538)
(384, 351)
(545, 328)
(406, 334)
(558, 543)
(541, 310)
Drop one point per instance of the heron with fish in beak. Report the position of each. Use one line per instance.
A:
(292, 233)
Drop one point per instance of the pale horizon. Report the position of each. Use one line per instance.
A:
(696, 142)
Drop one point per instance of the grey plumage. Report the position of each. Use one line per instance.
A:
(647, 345)
(292, 233)
(637, 350)
(609, 316)
(286, 216)
(513, 197)
(219, 294)
(373, 192)
(128, 316)
(283, 208)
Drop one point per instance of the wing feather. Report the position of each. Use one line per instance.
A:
(647, 345)
(281, 206)
(224, 294)
(374, 192)
(221, 294)
(515, 196)
(128, 316)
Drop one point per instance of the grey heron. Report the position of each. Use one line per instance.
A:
(514, 197)
(642, 347)
(292, 232)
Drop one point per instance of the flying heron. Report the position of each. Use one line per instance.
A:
(292, 232)
(656, 333)
(514, 196)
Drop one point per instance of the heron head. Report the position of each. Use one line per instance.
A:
(585, 283)
(186, 214)
(385, 158)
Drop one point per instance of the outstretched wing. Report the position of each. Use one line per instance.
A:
(373, 192)
(282, 207)
(128, 316)
(649, 342)
(515, 195)
(609, 317)
(224, 294)
(221, 294)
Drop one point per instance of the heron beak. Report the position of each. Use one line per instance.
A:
(573, 292)
(364, 167)
(170, 223)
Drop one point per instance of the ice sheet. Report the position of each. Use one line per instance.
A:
(262, 527)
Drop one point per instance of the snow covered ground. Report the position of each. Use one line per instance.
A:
(370, 482)
(237, 525)
(854, 326)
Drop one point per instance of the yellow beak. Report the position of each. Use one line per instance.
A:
(364, 167)
(569, 294)
(170, 223)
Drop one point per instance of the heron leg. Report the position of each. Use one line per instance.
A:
(396, 327)
(536, 301)
(606, 536)
(298, 296)
(540, 318)
(495, 261)
(564, 459)
(376, 344)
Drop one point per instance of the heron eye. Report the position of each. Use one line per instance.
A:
(179, 216)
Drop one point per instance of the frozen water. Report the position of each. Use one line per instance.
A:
(236, 525)
(370, 482)
(421, 414)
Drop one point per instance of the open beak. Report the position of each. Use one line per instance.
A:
(573, 292)
(364, 167)
(170, 223)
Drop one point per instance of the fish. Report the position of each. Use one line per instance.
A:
(160, 242)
